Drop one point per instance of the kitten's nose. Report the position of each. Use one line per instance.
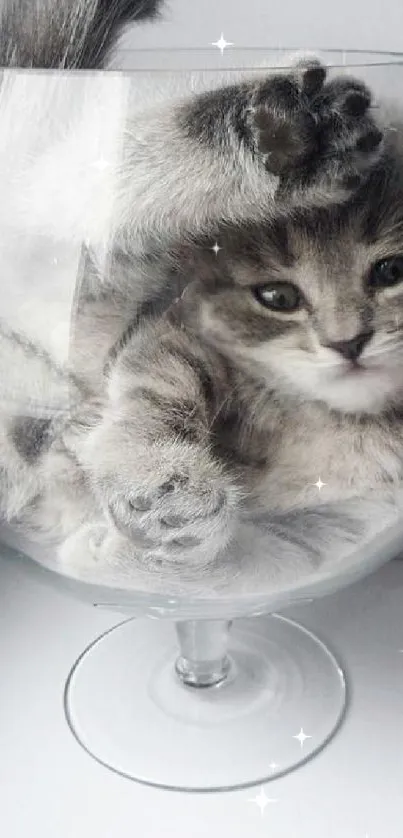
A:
(351, 349)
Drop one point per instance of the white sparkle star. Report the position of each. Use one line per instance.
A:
(273, 766)
(222, 43)
(55, 260)
(262, 800)
(301, 736)
(216, 248)
(319, 484)
(101, 164)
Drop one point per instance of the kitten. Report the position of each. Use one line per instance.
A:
(155, 456)
(280, 365)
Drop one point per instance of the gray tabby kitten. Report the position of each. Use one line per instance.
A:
(203, 423)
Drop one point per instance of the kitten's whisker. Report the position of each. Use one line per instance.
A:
(390, 349)
(219, 408)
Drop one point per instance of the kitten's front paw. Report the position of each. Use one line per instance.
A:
(349, 140)
(173, 501)
(281, 120)
(306, 128)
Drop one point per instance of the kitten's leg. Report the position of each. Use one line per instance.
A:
(20, 443)
(325, 540)
(241, 151)
(150, 460)
(43, 491)
(220, 155)
(37, 398)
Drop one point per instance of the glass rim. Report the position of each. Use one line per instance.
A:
(366, 57)
(188, 605)
(229, 59)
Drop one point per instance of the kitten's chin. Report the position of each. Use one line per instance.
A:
(367, 391)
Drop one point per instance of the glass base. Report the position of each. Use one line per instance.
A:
(284, 697)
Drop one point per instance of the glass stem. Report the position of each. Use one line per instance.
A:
(203, 659)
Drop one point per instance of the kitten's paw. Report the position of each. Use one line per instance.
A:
(349, 140)
(175, 503)
(81, 551)
(305, 127)
(281, 121)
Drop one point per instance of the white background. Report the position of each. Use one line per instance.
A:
(307, 24)
(50, 788)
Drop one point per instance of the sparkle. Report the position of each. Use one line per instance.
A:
(216, 248)
(55, 260)
(273, 766)
(101, 164)
(319, 485)
(301, 736)
(262, 800)
(397, 321)
(222, 43)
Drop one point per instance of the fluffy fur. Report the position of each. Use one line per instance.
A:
(191, 430)
(48, 34)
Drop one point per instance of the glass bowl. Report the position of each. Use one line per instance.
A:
(180, 698)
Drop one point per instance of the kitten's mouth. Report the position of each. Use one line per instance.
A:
(354, 368)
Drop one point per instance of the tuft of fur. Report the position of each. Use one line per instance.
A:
(72, 34)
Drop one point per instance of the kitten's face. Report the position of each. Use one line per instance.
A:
(315, 307)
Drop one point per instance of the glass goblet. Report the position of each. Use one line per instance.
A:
(198, 688)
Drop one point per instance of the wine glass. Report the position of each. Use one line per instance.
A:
(197, 688)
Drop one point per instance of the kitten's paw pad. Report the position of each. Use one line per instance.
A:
(281, 122)
(312, 76)
(167, 514)
(301, 124)
(347, 132)
(348, 97)
(187, 511)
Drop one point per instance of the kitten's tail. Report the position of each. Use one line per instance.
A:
(66, 34)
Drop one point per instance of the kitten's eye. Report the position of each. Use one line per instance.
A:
(386, 273)
(280, 296)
